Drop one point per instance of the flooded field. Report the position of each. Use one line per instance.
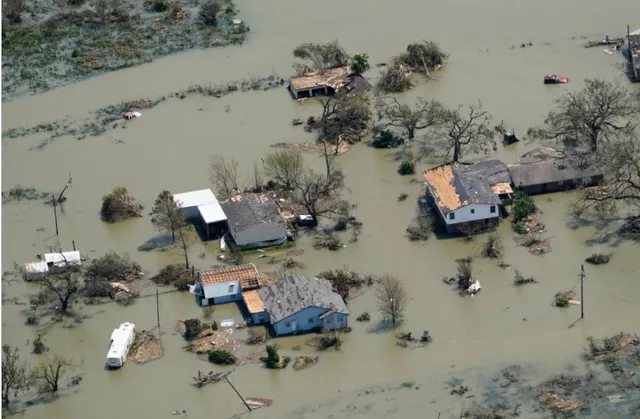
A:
(169, 147)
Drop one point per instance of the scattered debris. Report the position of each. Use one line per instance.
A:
(559, 403)
(599, 258)
(364, 317)
(402, 197)
(131, 115)
(146, 347)
(302, 362)
(256, 402)
(202, 380)
(521, 280)
(319, 146)
(296, 121)
(407, 340)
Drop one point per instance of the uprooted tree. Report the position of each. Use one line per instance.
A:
(423, 57)
(342, 115)
(319, 56)
(601, 111)
(394, 78)
(408, 118)
(284, 167)
(391, 298)
(166, 215)
(224, 176)
(465, 132)
(111, 267)
(620, 164)
(15, 378)
(118, 205)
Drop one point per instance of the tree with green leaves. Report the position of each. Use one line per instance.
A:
(359, 63)
(166, 215)
(320, 56)
(15, 379)
(49, 371)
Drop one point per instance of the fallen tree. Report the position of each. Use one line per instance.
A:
(118, 205)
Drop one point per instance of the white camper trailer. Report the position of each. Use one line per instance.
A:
(121, 341)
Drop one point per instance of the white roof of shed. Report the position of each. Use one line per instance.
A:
(636, 32)
(63, 258)
(212, 213)
(36, 267)
(195, 198)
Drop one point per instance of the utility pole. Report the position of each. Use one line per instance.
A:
(55, 211)
(582, 275)
(238, 393)
(158, 307)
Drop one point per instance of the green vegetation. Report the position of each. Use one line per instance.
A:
(386, 139)
(19, 193)
(62, 43)
(220, 357)
(193, 327)
(174, 274)
(273, 360)
(523, 207)
(359, 63)
(561, 300)
(407, 168)
(119, 205)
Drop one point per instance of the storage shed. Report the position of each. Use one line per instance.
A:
(254, 221)
(203, 209)
(50, 262)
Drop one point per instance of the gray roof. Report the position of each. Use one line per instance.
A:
(455, 186)
(250, 210)
(493, 171)
(569, 169)
(295, 293)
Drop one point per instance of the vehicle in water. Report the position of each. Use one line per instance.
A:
(555, 79)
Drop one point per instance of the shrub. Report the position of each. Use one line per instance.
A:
(75, 2)
(523, 206)
(493, 246)
(214, 325)
(272, 360)
(561, 300)
(386, 139)
(193, 327)
(220, 357)
(209, 13)
(407, 168)
(174, 274)
(257, 335)
(38, 345)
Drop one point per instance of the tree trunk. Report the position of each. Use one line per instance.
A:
(184, 248)
(456, 152)
(411, 133)
(64, 304)
(5, 394)
(173, 235)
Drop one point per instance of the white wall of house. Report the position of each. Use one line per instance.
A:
(302, 321)
(472, 212)
(335, 321)
(221, 293)
(261, 233)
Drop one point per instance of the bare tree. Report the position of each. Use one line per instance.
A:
(166, 215)
(257, 177)
(601, 111)
(284, 167)
(320, 194)
(342, 115)
(466, 132)
(407, 118)
(224, 176)
(320, 56)
(15, 379)
(12, 10)
(63, 287)
(36, 301)
(391, 298)
(48, 372)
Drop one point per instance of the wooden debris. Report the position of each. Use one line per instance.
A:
(257, 402)
(559, 403)
(302, 362)
(202, 380)
(146, 347)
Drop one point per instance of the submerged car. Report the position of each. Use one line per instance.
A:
(555, 79)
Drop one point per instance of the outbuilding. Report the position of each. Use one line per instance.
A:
(254, 221)
(203, 209)
(225, 284)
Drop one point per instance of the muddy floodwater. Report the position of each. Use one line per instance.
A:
(169, 148)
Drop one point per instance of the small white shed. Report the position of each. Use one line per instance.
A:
(62, 259)
(34, 271)
(202, 207)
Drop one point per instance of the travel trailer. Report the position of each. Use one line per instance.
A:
(121, 341)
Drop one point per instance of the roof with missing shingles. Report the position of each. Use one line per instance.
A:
(455, 185)
(295, 293)
(250, 210)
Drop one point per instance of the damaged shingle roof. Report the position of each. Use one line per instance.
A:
(250, 210)
(247, 274)
(295, 293)
(570, 169)
(455, 186)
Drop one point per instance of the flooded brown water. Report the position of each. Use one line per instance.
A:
(169, 148)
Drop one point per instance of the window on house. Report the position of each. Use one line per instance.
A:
(473, 211)
(492, 209)
(452, 216)
(231, 288)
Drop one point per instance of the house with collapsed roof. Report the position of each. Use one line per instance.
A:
(254, 220)
(468, 196)
(225, 284)
(328, 82)
(297, 304)
(546, 170)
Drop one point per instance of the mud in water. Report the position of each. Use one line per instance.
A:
(169, 148)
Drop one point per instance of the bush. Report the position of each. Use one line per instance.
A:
(174, 274)
(111, 267)
(493, 246)
(561, 300)
(257, 335)
(214, 325)
(386, 139)
(272, 360)
(12, 10)
(407, 168)
(38, 345)
(523, 206)
(220, 357)
(423, 57)
(520, 228)
(119, 205)
(193, 327)
(599, 258)
(209, 13)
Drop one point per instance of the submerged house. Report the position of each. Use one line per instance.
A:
(468, 196)
(328, 82)
(545, 170)
(225, 284)
(202, 208)
(298, 304)
(254, 221)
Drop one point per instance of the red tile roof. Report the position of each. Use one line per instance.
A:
(247, 274)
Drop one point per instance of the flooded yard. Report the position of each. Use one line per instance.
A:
(170, 146)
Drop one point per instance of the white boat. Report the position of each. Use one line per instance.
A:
(121, 341)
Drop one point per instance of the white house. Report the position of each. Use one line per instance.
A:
(254, 221)
(465, 197)
(50, 262)
(225, 284)
(203, 208)
(297, 304)
(121, 340)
